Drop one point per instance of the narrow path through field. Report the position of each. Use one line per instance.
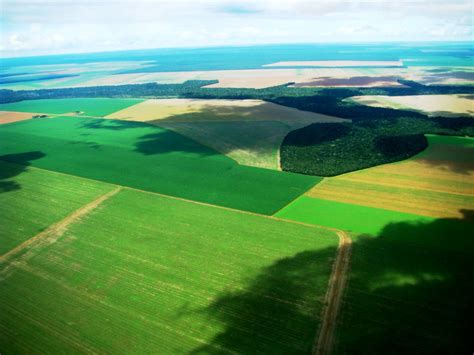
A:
(325, 339)
(22, 252)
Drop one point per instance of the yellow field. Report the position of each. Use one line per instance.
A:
(10, 116)
(248, 131)
(437, 183)
(434, 105)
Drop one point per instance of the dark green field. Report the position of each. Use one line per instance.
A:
(149, 158)
(410, 290)
(153, 274)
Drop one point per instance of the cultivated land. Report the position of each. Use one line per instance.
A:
(433, 105)
(9, 116)
(439, 182)
(248, 131)
(154, 274)
(32, 199)
(90, 107)
(150, 158)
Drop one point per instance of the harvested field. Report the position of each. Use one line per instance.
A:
(248, 131)
(337, 63)
(32, 199)
(433, 105)
(437, 183)
(154, 159)
(89, 107)
(159, 275)
(11, 116)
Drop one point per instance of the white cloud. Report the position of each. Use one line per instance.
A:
(56, 26)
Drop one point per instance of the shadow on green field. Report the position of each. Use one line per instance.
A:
(159, 141)
(409, 291)
(9, 171)
(277, 313)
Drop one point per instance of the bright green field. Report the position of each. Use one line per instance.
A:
(149, 158)
(150, 274)
(91, 107)
(349, 217)
(32, 199)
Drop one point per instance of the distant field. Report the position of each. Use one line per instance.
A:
(338, 63)
(433, 105)
(150, 158)
(89, 107)
(157, 275)
(248, 131)
(33, 199)
(438, 182)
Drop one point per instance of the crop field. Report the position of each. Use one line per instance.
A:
(33, 199)
(434, 105)
(161, 275)
(150, 158)
(9, 116)
(409, 289)
(248, 131)
(439, 182)
(345, 216)
(89, 107)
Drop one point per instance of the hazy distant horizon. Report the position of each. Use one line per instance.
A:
(48, 27)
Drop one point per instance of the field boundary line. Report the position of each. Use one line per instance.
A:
(186, 200)
(50, 234)
(324, 340)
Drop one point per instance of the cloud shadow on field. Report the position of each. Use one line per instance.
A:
(10, 171)
(409, 291)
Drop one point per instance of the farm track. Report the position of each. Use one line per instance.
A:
(24, 251)
(325, 340)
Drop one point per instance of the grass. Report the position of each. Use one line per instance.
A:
(90, 106)
(349, 217)
(152, 274)
(150, 158)
(438, 182)
(33, 199)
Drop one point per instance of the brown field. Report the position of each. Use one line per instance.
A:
(10, 116)
(433, 105)
(248, 131)
(437, 183)
(355, 81)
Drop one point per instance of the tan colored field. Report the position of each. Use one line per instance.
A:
(337, 63)
(248, 131)
(433, 105)
(10, 116)
(437, 183)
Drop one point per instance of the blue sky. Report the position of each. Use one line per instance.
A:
(35, 27)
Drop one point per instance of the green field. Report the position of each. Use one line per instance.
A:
(149, 274)
(90, 107)
(33, 199)
(410, 290)
(150, 158)
(349, 217)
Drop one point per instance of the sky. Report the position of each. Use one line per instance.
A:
(37, 27)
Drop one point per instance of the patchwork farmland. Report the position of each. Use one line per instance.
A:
(281, 203)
